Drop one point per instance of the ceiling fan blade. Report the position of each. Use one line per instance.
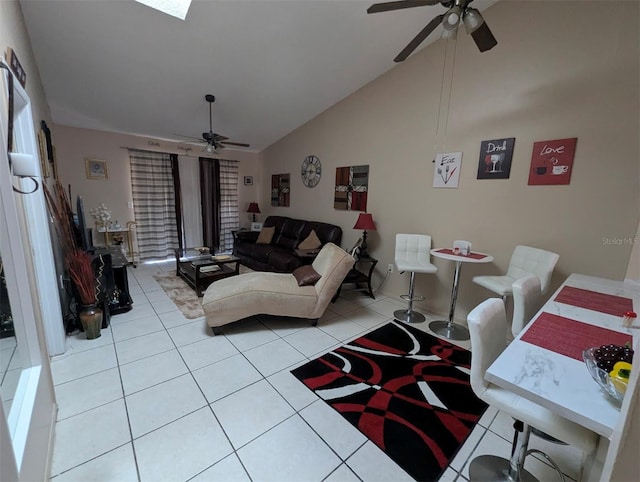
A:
(218, 137)
(483, 38)
(388, 6)
(418, 39)
(241, 144)
(189, 137)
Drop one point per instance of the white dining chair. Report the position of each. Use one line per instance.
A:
(413, 255)
(527, 300)
(525, 260)
(488, 329)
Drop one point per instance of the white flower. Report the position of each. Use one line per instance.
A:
(101, 214)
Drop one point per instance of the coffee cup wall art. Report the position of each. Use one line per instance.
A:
(552, 162)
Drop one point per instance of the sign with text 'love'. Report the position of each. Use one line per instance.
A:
(552, 161)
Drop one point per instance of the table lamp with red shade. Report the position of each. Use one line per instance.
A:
(364, 222)
(253, 209)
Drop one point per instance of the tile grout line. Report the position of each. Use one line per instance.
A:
(126, 409)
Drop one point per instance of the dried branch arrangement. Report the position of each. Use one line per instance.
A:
(77, 261)
(81, 273)
(60, 210)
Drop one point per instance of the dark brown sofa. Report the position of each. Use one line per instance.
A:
(279, 256)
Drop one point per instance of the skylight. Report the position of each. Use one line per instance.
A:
(175, 8)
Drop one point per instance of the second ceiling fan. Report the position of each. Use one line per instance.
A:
(216, 141)
(458, 12)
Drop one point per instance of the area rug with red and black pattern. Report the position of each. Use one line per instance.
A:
(407, 391)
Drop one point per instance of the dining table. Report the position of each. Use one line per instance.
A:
(545, 364)
(448, 328)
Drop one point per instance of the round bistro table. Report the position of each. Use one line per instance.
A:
(447, 328)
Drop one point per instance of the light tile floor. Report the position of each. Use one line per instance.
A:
(157, 398)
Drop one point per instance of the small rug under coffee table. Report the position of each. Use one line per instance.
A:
(183, 295)
(407, 391)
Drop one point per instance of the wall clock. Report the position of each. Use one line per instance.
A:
(311, 171)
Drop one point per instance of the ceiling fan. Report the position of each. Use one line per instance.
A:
(215, 141)
(458, 12)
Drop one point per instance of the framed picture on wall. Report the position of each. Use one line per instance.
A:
(96, 169)
(54, 164)
(280, 189)
(48, 142)
(552, 162)
(446, 172)
(495, 158)
(42, 153)
(352, 188)
(248, 180)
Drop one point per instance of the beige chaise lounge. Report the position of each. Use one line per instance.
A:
(235, 298)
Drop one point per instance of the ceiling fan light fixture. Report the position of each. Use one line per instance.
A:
(472, 20)
(483, 37)
(452, 18)
(210, 148)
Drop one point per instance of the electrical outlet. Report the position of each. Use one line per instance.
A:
(390, 268)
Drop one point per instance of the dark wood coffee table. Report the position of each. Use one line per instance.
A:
(200, 270)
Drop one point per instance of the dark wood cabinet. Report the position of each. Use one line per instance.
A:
(110, 266)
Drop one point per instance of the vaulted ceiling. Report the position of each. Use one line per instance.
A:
(120, 66)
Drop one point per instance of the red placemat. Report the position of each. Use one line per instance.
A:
(570, 337)
(470, 255)
(593, 300)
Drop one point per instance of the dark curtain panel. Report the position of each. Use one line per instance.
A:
(178, 200)
(210, 199)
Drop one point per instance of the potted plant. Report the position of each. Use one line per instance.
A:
(81, 273)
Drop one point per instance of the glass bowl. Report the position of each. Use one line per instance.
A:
(601, 376)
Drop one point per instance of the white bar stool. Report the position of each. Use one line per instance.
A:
(412, 254)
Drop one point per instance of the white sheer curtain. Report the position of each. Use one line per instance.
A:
(191, 208)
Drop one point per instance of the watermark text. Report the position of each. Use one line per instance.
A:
(620, 241)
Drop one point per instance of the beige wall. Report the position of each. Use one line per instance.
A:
(14, 34)
(74, 145)
(633, 270)
(552, 76)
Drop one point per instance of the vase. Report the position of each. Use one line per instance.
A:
(91, 319)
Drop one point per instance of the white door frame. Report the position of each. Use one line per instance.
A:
(38, 224)
(29, 425)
